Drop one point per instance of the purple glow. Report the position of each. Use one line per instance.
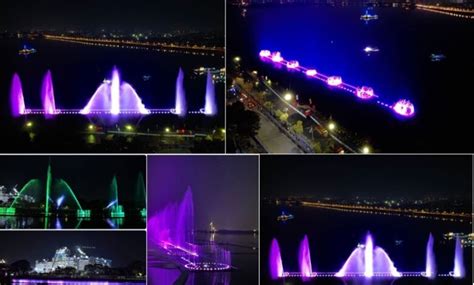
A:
(210, 107)
(276, 264)
(276, 57)
(115, 97)
(47, 96)
(404, 108)
(17, 101)
(180, 105)
(265, 53)
(458, 271)
(293, 64)
(174, 225)
(365, 92)
(305, 258)
(311, 72)
(430, 271)
(334, 80)
(369, 261)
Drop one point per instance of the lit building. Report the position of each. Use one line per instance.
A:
(64, 257)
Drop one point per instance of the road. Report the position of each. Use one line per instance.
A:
(273, 140)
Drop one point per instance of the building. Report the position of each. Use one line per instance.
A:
(64, 257)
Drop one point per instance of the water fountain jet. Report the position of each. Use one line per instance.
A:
(210, 107)
(47, 96)
(276, 264)
(458, 271)
(304, 258)
(430, 271)
(17, 100)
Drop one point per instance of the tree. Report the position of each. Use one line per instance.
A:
(298, 127)
(22, 266)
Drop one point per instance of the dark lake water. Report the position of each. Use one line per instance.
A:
(36, 222)
(333, 236)
(332, 41)
(244, 258)
(78, 70)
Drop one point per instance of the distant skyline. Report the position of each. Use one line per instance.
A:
(379, 176)
(122, 247)
(225, 188)
(89, 176)
(158, 15)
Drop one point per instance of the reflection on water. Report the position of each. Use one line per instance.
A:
(24, 222)
(66, 282)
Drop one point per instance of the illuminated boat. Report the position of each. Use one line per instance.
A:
(368, 17)
(369, 49)
(26, 51)
(437, 57)
(334, 80)
(285, 217)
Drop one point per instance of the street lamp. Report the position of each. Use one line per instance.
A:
(237, 59)
(366, 149)
(29, 124)
(128, 128)
(288, 96)
(167, 130)
(331, 126)
(91, 127)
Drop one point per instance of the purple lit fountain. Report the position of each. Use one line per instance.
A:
(305, 259)
(172, 230)
(368, 260)
(115, 97)
(430, 271)
(276, 264)
(210, 107)
(180, 105)
(47, 96)
(458, 271)
(17, 101)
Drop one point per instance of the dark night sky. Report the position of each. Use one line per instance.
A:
(36, 245)
(373, 175)
(225, 188)
(155, 15)
(89, 176)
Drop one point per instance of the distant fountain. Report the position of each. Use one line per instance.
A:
(174, 224)
(140, 195)
(276, 264)
(115, 97)
(430, 271)
(305, 258)
(17, 100)
(368, 261)
(47, 96)
(459, 270)
(49, 180)
(210, 107)
(180, 105)
(114, 207)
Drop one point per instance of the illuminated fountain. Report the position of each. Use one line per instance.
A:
(402, 107)
(17, 101)
(304, 258)
(210, 107)
(141, 195)
(115, 97)
(430, 271)
(276, 264)
(180, 105)
(47, 96)
(63, 190)
(458, 271)
(172, 230)
(368, 261)
(115, 209)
